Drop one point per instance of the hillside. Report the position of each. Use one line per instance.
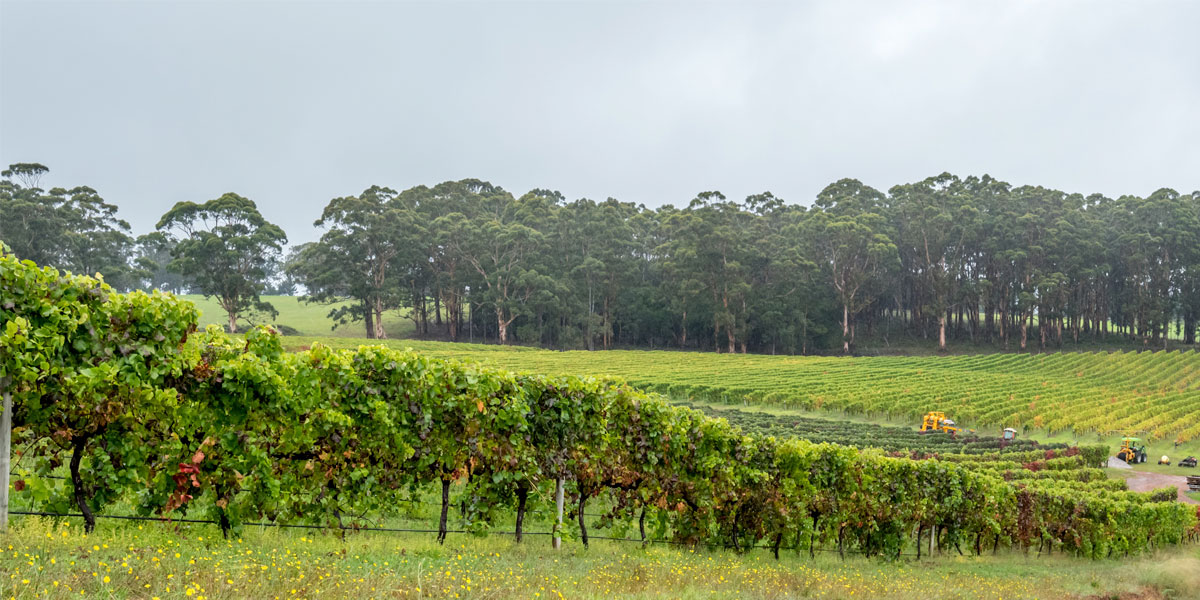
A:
(305, 318)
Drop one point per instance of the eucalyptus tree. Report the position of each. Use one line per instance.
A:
(151, 257)
(30, 222)
(72, 229)
(499, 239)
(709, 245)
(681, 290)
(850, 237)
(1162, 230)
(932, 218)
(597, 240)
(226, 248)
(95, 240)
(364, 257)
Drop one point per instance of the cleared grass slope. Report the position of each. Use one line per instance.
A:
(307, 319)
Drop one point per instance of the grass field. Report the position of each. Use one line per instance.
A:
(43, 559)
(308, 319)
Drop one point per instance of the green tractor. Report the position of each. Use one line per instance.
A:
(1132, 451)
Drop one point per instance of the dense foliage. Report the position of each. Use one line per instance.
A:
(242, 430)
(226, 249)
(946, 258)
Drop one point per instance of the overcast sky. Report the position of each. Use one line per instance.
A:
(292, 104)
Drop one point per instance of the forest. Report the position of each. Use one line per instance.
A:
(948, 258)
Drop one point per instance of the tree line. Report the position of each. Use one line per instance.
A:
(973, 259)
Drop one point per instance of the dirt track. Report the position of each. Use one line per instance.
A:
(1144, 482)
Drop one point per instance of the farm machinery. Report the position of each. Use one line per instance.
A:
(1189, 462)
(1008, 436)
(936, 422)
(1132, 450)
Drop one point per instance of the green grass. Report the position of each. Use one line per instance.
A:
(43, 559)
(308, 319)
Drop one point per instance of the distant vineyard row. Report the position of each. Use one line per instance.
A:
(897, 440)
(1151, 394)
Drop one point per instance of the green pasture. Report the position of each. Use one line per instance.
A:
(306, 318)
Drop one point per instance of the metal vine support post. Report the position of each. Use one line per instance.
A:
(5, 452)
(558, 502)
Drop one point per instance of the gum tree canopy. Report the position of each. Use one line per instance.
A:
(227, 248)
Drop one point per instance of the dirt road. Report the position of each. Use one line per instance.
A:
(1144, 482)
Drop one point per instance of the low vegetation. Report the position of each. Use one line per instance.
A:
(44, 559)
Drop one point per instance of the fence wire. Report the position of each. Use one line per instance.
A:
(423, 531)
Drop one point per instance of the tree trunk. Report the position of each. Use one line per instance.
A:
(369, 319)
(424, 314)
(607, 333)
(224, 524)
(81, 495)
(1042, 333)
(232, 321)
(812, 537)
(451, 318)
(522, 496)
(683, 331)
(441, 537)
(582, 526)
(941, 332)
(501, 326)
(642, 524)
(377, 308)
(845, 329)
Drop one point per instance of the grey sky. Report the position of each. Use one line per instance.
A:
(292, 104)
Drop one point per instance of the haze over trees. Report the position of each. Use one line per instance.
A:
(947, 259)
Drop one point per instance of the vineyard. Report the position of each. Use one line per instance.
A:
(869, 435)
(119, 401)
(1155, 395)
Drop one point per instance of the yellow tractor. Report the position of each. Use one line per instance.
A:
(936, 421)
(1132, 450)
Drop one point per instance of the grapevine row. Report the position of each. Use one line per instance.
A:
(1080, 392)
(123, 393)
